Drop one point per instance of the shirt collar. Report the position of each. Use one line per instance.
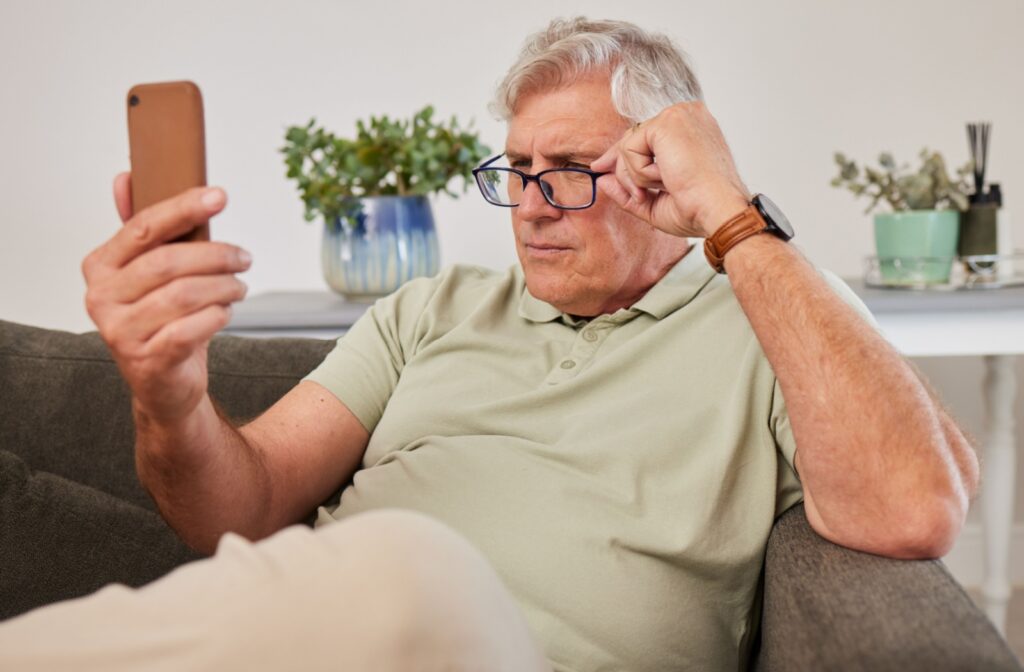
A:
(679, 286)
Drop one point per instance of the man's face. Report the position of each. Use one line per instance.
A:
(583, 262)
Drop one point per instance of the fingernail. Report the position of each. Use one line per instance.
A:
(213, 198)
(244, 258)
(245, 289)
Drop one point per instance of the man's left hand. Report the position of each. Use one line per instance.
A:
(676, 172)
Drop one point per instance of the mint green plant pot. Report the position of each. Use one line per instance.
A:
(916, 247)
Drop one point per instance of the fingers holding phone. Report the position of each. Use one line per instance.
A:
(156, 284)
(163, 264)
(157, 303)
(168, 221)
(140, 269)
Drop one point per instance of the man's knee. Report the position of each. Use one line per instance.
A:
(407, 538)
(410, 564)
(427, 590)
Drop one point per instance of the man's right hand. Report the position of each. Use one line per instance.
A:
(157, 305)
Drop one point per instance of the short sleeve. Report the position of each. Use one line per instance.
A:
(850, 297)
(789, 491)
(364, 367)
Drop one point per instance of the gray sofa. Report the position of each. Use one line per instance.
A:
(73, 516)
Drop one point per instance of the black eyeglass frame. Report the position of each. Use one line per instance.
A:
(527, 178)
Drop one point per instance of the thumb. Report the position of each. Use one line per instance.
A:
(606, 162)
(123, 195)
(613, 189)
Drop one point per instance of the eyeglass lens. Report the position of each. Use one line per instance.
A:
(566, 188)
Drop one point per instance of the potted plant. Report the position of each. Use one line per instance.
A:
(916, 243)
(371, 193)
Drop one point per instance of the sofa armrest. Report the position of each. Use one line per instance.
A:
(831, 608)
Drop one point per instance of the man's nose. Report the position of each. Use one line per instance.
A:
(533, 205)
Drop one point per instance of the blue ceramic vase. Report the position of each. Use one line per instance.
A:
(390, 241)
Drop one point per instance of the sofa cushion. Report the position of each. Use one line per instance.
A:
(63, 540)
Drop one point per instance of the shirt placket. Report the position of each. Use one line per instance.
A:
(585, 345)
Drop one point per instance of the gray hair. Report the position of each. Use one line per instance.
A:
(648, 72)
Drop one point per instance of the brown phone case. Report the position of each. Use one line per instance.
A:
(167, 144)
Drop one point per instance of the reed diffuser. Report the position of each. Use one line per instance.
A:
(985, 227)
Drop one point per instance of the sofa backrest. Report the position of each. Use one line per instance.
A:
(65, 409)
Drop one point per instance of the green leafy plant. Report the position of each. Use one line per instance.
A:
(388, 157)
(928, 188)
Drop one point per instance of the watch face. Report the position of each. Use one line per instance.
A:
(774, 216)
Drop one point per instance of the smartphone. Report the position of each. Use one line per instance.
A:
(167, 144)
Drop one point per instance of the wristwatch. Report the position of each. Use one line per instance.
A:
(761, 216)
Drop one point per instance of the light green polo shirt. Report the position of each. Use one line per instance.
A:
(621, 474)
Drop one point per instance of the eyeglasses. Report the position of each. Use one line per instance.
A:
(564, 188)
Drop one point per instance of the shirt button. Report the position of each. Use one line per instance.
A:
(589, 336)
(568, 364)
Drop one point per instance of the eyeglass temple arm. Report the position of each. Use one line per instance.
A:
(490, 161)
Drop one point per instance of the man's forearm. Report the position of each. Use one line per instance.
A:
(205, 478)
(884, 464)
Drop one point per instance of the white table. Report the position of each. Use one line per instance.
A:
(308, 314)
(986, 323)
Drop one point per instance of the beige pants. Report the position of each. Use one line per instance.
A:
(386, 590)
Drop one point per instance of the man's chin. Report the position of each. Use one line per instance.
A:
(542, 285)
(554, 289)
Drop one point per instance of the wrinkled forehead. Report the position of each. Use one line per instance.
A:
(565, 139)
(575, 120)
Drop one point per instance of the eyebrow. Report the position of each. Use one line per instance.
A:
(581, 157)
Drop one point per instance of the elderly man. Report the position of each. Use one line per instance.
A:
(600, 438)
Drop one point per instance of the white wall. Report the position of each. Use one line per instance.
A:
(790, 82)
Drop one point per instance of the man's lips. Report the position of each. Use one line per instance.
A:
(546, 247)
(544, 252)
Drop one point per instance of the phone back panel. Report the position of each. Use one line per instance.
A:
(167, 143)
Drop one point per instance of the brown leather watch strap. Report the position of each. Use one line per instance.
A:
(744, 225)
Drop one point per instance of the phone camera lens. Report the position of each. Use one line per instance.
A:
(133, 101)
